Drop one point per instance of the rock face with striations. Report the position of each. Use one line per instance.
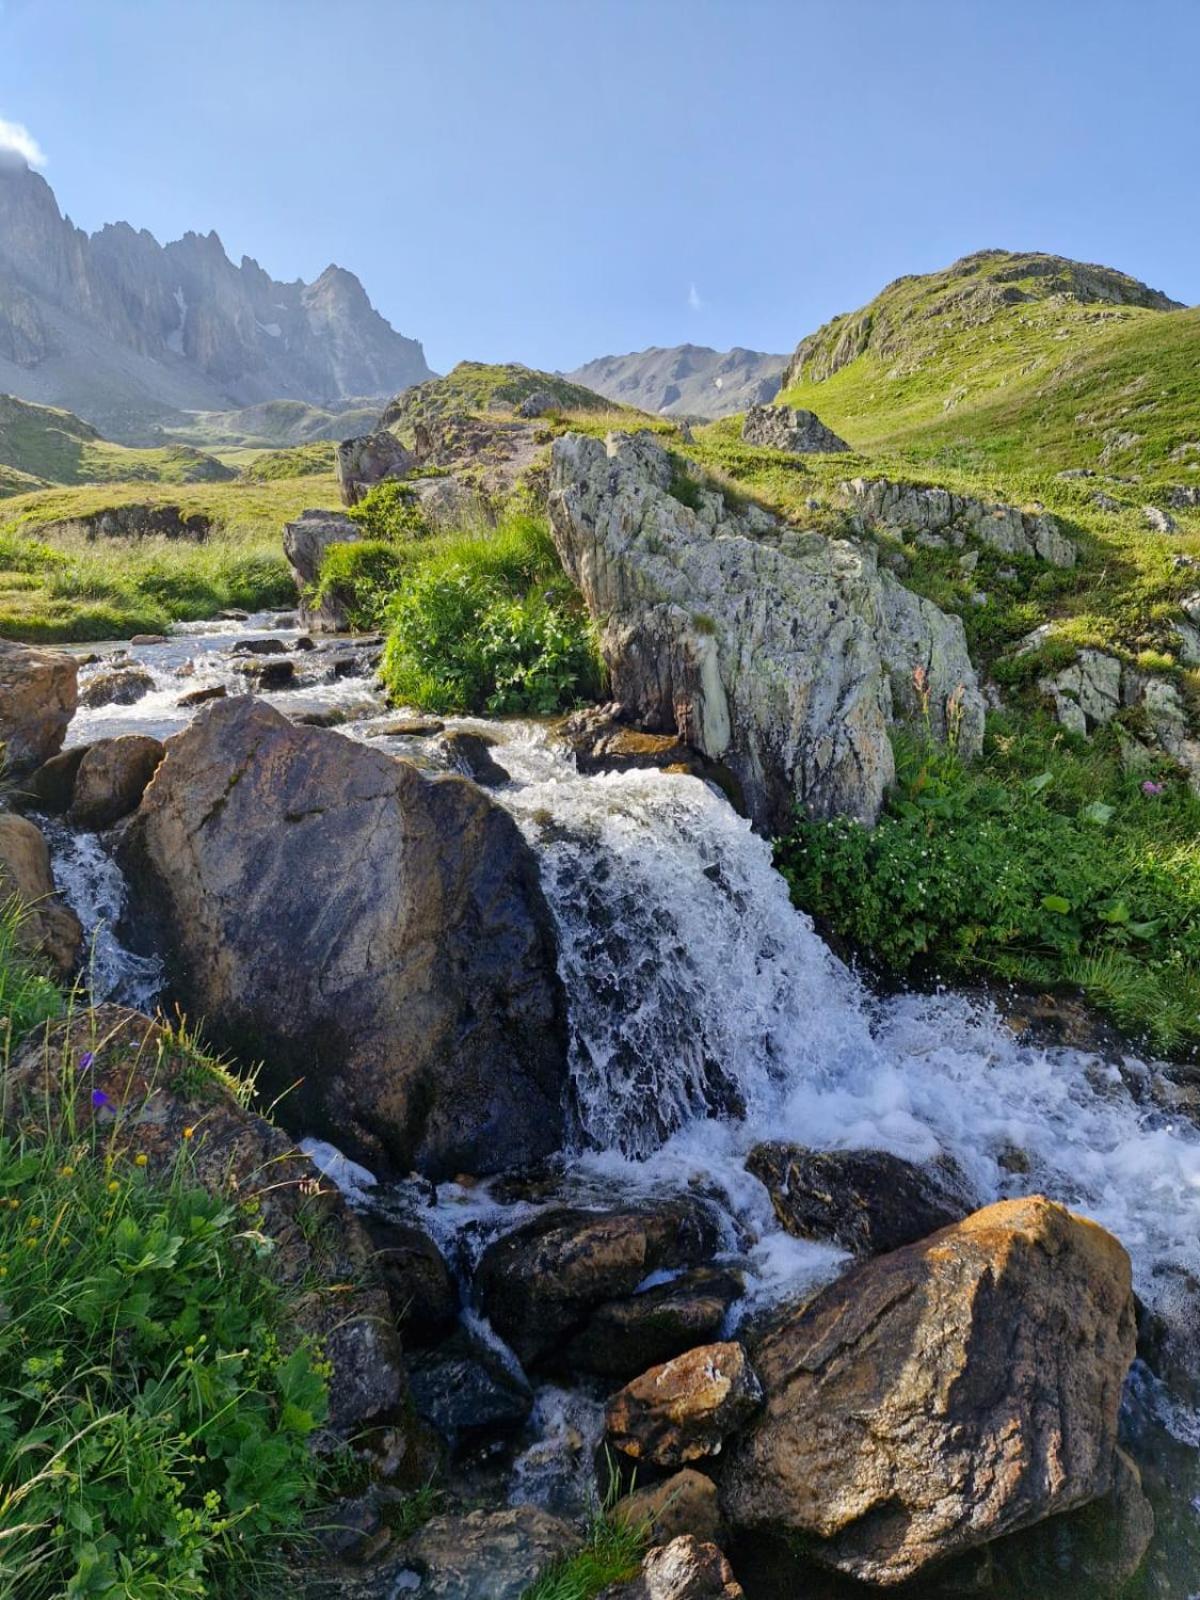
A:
(800, 433)
(931, 514)
(378, 934)
(370, 459)
(38, 695)
(939, 1397)
(786, 657)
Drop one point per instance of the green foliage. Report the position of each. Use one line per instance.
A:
(478, 386)
(1046, 865)
(362, 578)
(155, 1411)
(392, 511)
(486, 622)
(27, 997)
(611, 1554)
(302, 461)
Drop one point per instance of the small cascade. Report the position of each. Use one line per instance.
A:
(92, 884)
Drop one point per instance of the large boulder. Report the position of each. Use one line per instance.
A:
(361, 463)
(783, 428)
(787, 661)
(379, 935)
(684, 1409)
(38, 695)
(686, 1502)
(305, 542)
(49, 931)
(540, 1284)
(939, 1397)
(111, 779)
(145, 1091)
(868, 1201)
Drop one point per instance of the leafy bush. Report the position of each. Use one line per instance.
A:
(1071, 874)
(392, 511)
(26, 997)
(361, 579)
(154, 1416)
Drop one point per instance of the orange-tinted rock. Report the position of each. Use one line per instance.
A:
(686, 1408)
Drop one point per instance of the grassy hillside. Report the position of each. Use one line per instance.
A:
(44, 443)
(275, 423)
(58, 586)
(475, 387)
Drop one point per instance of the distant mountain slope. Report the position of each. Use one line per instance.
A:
(42, 445)
(686, 380)
(127, 332)
(1020, 361)
(276, 423)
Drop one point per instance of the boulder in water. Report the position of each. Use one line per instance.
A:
(378, 934)
(112, 778)
(466, 1392)
(785, 658)
(418, 1281)
(120, 686)
(471, 754)
(38, 696)
(941, 1396)
(539, 1284)
(624, 1337)
(684, 1409)
(867, 1201)
(51, 787)
(50, 930)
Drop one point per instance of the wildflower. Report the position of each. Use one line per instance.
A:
(114, 1187)
(140, 1160)
(1151, 788)
(99, 1098)
(86, 1060)
(66, 1172)
(188, 1132)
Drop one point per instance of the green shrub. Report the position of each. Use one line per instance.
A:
(27, 998)
(391, 510)
(361, 578)
(155, 1415)
(1069, 874)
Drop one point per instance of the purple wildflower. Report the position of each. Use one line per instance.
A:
(86, 1060)
(99, 1098)
(1151, 788)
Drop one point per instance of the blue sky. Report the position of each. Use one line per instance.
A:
(550, 180)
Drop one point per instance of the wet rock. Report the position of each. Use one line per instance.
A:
(684, 1503)
(266, 675)
(407, 728)
(201, 697)
(484, 1555)
(38, 696)
(470, 754)
(359, 464)
(380, 935)
(923, 513)
(685, 1409)
(112, 778)
(685, 1569)
(50, 931)
(153, 1093)
(540, 1283)
(787, 667)
(464, 1391)
(419, 1283)
(51, 787)
(602, 743)
(624, 1337)
(936, 1398)
(121, 686)
(259, 647)
(782, 428)
(867, 1201)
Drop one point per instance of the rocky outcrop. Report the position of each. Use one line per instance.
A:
(378, 934)
(800, 433)
(684, 1409)
(140, 1086)
(38, 695)
(482, 1555)
(540, 1284)
(685, 1569)
(139, 521)
(305, 542)
(935, 514)
(50, 931)
(939, 1397)
(867, 1201)
(359, 464)
(111, 779)
(784, 657)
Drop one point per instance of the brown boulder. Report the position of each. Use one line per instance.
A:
(155, 1089)
(685, 1569)
(50, 931)
(361, 463)
(112, 778)
(120, 686)
(624, 1337)
(867, 1201)
(939, 1397)
(540, 1283)
(38, 696)
(378, 934)
(685, 1409)
(484, 1555)
(52, 786)
(684, 1503)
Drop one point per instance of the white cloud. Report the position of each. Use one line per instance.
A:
(15, 139)
(694, 299)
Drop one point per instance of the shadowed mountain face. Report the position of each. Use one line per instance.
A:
(688, 380)
(128, 333)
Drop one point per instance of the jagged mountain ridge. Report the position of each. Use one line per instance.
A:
(685, 380)
(128, 333)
